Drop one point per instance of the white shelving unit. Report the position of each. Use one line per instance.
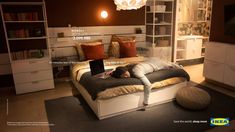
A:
(200, 16)
(25, 27)
(159, 27)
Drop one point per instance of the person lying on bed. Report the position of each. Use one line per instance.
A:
(140, 70)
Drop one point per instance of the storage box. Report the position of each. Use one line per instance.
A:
(163, 43)
(158, 8)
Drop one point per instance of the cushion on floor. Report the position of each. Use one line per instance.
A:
(193, 98)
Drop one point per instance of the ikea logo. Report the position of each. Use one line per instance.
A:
(219, 122)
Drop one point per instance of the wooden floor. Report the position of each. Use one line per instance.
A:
(30, 107)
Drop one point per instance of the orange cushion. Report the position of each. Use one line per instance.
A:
(127, 49)
(93, 52)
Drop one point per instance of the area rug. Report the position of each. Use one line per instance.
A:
(72, 114)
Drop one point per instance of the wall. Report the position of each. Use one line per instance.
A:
(217, 24)
(60, 13)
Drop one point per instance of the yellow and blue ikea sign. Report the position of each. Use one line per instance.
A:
(219, 121)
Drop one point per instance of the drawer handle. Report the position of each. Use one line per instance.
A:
(34, 72)
(34, 82)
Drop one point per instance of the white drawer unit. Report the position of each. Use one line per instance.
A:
(230, 58)
(32, 75)
(32, 65)
(216, 52)
(213, 70)
(219, 64)
(229, 75)
(34, 86)
(188, 48)
(193, 48)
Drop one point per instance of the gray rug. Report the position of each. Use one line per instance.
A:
(72, 114)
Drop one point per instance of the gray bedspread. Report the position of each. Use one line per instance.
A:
(95, 85)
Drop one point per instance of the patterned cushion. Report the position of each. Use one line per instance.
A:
(114, 48)
(193, 98)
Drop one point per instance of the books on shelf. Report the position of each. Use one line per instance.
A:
(27, 54)
(25, 33)
(25, 16)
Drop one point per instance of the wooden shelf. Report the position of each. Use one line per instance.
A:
(24, 21)
(28, 38)
(161, 12)
(160, 24)
(157, 36)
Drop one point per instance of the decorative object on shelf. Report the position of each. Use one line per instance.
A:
(37, 32)
(163, 43)
(162, 30)
(129, 4)
(138, 31)
(158, 8)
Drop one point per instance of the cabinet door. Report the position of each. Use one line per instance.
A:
(215, 52)
(213, 70)
(229, 75)
(194, 47)
(230, 58)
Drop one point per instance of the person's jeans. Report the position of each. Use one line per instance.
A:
(139, 73)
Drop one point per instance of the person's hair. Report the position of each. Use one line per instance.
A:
(119, 71)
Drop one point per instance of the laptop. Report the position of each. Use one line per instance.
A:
(97, 69)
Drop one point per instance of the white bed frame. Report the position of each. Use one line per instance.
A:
(106, 108)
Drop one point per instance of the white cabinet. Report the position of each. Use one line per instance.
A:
(30, 76)
(214, 70)
(187, 49)
(230, 58)
(219, 64)
(229, 75)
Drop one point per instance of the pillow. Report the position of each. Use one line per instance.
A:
(114, 50)
(93, 52)
(80, 51)
(116, 38)
(127, 49)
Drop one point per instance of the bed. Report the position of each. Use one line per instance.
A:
(114, 99)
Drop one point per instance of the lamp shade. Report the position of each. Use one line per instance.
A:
(129, 4)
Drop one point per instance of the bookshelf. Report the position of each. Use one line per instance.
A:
(159, 26)
(25, 27)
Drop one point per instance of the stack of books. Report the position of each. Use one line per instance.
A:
(27, 54)
(21, 33)
(28, 16)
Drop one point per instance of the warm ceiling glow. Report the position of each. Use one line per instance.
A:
(104, 14)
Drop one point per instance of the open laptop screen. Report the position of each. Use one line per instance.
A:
(96, 66)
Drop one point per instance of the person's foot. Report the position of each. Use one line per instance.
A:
(144, 107)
